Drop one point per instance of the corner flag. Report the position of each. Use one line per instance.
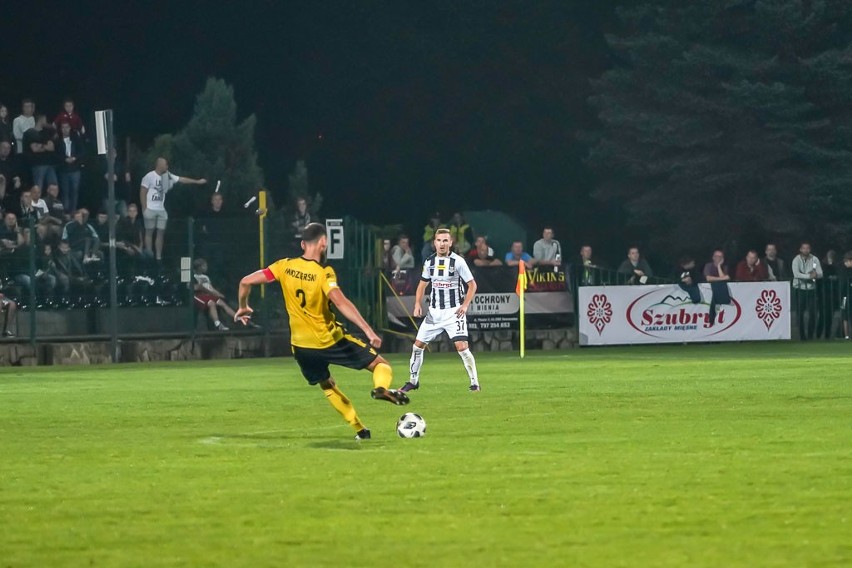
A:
(519, 290)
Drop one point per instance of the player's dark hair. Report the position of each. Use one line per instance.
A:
(312, 232)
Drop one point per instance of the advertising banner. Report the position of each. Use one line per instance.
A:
(614, 315)
(495, 305)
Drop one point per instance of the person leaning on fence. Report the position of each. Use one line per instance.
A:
(585, 270)
(751, 269)
(547, 251)
(687, 277)
(517, 255)
(845, 278)
(634, 269)
(827, 295)
(485, 255)
(806, 271)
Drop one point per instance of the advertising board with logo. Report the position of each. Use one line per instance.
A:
(496, 306)
(613, 315)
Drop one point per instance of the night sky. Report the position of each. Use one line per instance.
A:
(399, 108)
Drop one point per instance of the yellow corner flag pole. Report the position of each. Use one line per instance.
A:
(519, 290)
(262, 208)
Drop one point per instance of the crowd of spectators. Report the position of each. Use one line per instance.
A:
(820, 286)
(51, 247)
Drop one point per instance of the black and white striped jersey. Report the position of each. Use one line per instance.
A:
(449, 276)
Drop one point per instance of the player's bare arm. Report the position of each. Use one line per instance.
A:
(350, 312)
(418, 299)
(468, 298)
(192, 181)
(143, 197)
(243, 314)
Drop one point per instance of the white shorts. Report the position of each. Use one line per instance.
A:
(438, 321)
(155, 219)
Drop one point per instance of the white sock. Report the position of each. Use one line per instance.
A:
(415, 363)
(217, 323)
(470, 365)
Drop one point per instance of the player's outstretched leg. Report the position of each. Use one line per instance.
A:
(343, 405)
(469, 364)
(414, 365)
(382, 379)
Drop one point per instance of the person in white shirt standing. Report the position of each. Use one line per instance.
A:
(23, 123)
(806, 271)
(152, 195)
(451, 279)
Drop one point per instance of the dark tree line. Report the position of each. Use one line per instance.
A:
(728, 123)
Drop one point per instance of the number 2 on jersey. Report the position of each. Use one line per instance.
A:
(301, 295)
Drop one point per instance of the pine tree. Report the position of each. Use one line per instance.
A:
(729, 122)
(215, 146)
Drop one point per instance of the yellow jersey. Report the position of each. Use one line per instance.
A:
(305, 285)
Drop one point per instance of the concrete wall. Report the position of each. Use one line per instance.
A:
(221, 346)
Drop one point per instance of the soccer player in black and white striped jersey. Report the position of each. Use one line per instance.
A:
(453, 288)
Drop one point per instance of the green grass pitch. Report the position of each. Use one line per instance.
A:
(712, 455)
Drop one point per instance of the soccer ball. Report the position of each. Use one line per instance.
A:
(411, 425)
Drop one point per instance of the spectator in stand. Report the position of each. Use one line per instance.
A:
(209, 299)
(10, 166)
(48, 227)
(485, 255)
(69, 116)
(121, 181)
(8, 308)
(6, 132)
(517, 255)
(7, 198)
(750, 269)
(102, 229)
(54, 204)
(547, 251)
(587, 268)
(402, 263)
(215, 235)
(12, 236)
(635, 269)
(828, 295)
(14, 250)
(716, 270)
(22, 123)
(129, 240)
(70, 276)
(300, 219)
(403, 257)
(25, 211)
(429, 235)
(70, 153)
(806, 271)
(82, 237)
(472, 254)
(775, 267)
(386, 257)
(152, 195)
(40, 152)
(461, 234)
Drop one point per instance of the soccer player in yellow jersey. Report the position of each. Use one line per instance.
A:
(317, 339)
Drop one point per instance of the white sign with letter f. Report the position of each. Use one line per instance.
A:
(334, 231)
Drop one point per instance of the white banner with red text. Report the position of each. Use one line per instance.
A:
(617, 315)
